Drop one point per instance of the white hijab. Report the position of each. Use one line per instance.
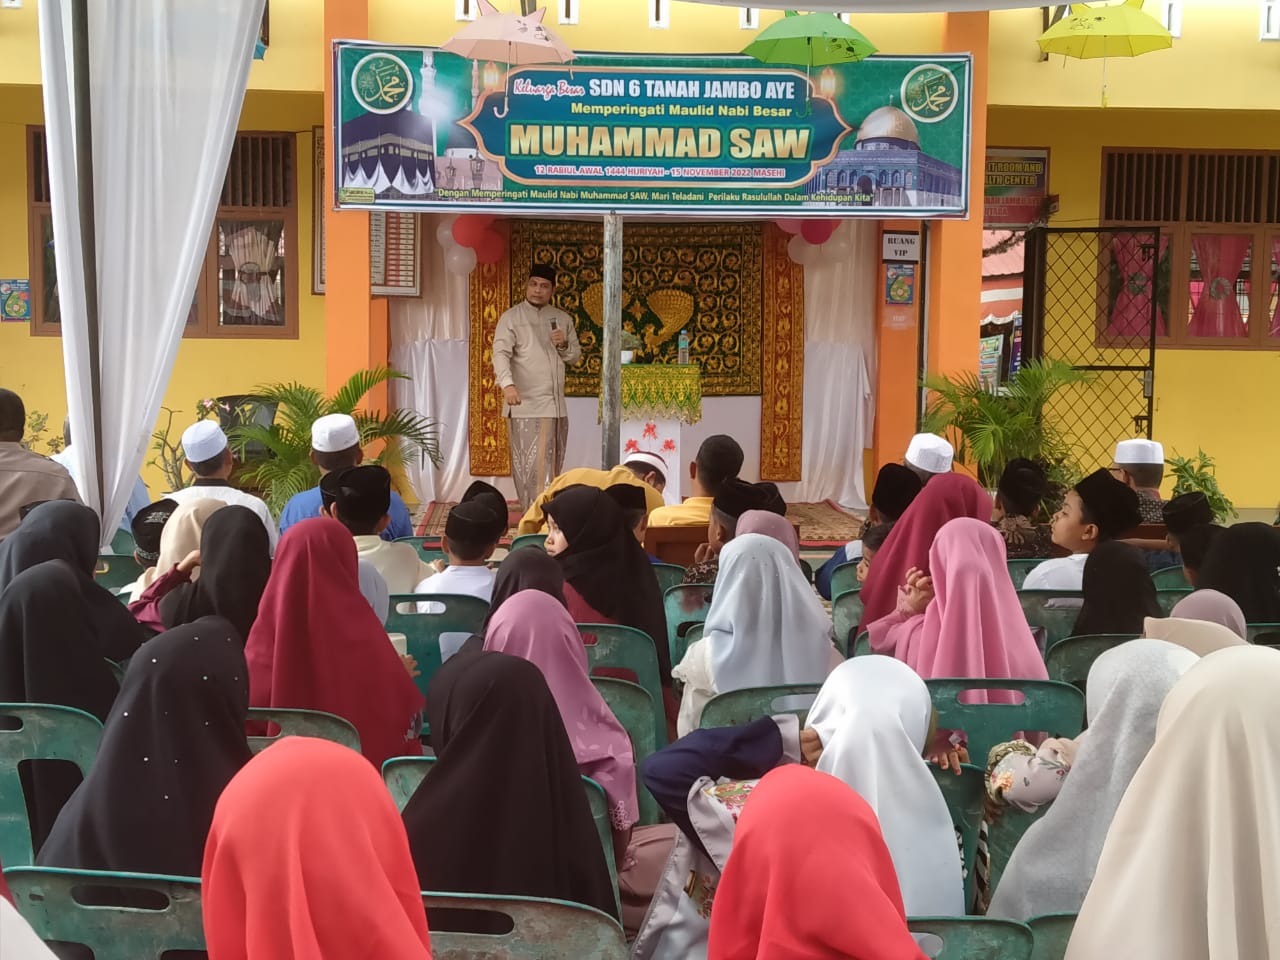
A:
(1052, 866)
(766, 626)
(17, 940)
(1191, 865)
(873, 716)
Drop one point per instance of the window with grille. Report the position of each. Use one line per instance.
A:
(249, 281)
(1216, 277)
(568, 11)
(659, 13)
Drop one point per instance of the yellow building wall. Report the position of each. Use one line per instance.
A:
(1220, 400)
(32, 365)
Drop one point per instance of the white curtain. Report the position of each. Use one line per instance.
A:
(429, 342)
(167, 80)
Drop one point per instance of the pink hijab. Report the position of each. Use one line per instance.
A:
(975, 626)
(945, 497)
(771, 525)
(534, 626)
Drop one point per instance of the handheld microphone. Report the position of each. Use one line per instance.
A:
(553, 323)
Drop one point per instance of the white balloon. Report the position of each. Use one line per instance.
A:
(444, 232)
(460, 260)
(837, 249)
(802, 251)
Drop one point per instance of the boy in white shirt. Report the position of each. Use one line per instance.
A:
(471, 534)
(360, 498)
(1097, 508)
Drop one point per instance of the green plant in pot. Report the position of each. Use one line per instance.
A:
(996, 426)
(630, 344)
(1198, 474)
(287, 469)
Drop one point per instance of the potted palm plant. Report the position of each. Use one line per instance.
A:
(996, 426)
(286, 468)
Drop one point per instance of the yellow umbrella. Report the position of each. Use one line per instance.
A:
(1117, 30)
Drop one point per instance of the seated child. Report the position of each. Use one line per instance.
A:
(147, 525)
(734, 499)
(635, 510)
(470, 536)
(873, 539)
(1097, 508)
(1194, 547)
(360, 499)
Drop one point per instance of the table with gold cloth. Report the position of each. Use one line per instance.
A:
(657, 398)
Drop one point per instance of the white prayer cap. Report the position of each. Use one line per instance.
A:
(202, 441)
(1139, 451)
(930, 453)
(334, 432)
(651, 460)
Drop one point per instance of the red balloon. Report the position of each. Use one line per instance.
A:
(469, 228)
(790, 226)
(818, 232)
(491, 248)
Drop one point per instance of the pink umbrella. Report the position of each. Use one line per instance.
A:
(509, 38)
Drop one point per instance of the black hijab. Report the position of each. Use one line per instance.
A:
(235, 561)
(525, 569)
(503, 809)
(173, 740)
(68, 531)
(608, 567)
(1244, 563)
(1118, 591)
(49, 653)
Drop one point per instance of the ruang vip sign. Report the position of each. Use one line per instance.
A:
(417, 129)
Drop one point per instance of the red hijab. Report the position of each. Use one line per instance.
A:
(944, 498)
(308, 859)
(809, 877)
(317, 644)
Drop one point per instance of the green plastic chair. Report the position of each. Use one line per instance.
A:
(1052, 932)
(123, 544)
(626, 648)
(1004, 833)
(1056, 708)
(1263, 634)
(1168, 599)
(301, 723)
(844, 579)
(403, 775)
(738, 707)
(1018, 569)
(685, 604)
(462, 614)
(633, 708)
(845, 614)
(538, 540)
(116, 572)
(46, 732)
(77, 906)
(862, 646)
(972, 938)
(1069, 660)
(428, 547)
(669, 575)
(1055, 611)
(964, 795)
(538, 928)
(694, 634)
(1170, 578)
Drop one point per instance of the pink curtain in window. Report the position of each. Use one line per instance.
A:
(1131, 313)
(1275, 258)
(1221, 258)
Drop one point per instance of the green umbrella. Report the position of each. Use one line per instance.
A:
(810, 40)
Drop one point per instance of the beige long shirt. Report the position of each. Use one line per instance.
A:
(26, 477)
(524, 356)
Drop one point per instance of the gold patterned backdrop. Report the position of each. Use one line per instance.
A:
(699, 277)
(730, 285)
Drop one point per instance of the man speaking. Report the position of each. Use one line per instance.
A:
(531, 346)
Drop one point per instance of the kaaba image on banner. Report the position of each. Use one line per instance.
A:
(704, 278)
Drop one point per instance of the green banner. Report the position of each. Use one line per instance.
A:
(417, 128)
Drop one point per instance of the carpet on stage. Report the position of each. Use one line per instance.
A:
(821, 524)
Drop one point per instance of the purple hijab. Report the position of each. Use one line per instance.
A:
(534, 626)
(771, 525)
